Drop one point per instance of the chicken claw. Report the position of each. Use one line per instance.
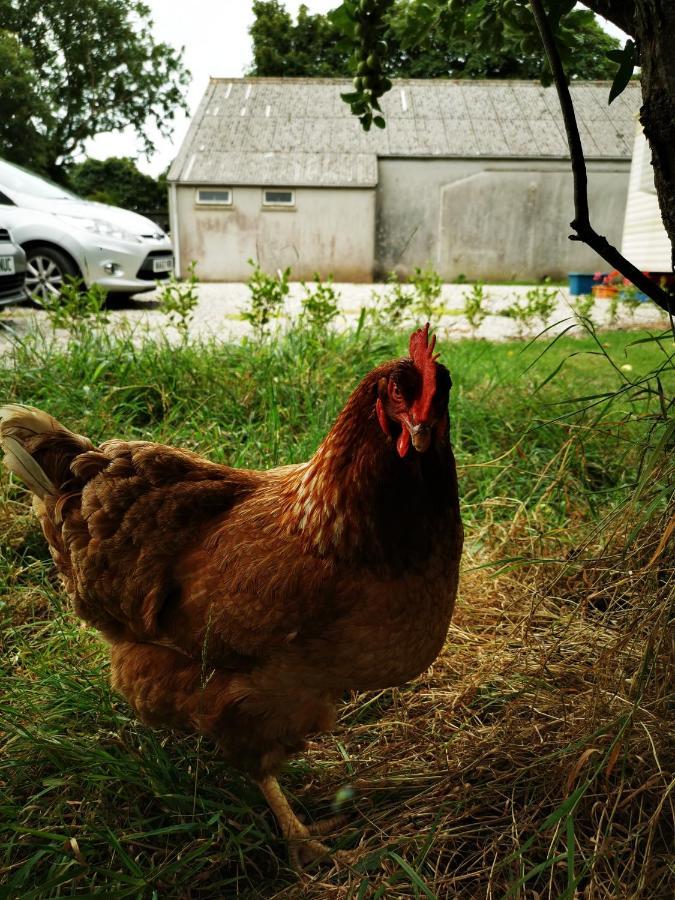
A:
(303, 850)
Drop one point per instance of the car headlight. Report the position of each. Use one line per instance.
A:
(105, 229)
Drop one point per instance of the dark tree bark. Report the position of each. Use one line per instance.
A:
(652, 24)
(620, 12)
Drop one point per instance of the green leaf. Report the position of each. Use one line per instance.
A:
(625, 70)
(342, 17)
(414, 876)
(379, 121)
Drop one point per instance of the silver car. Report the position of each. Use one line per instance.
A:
(65, 236)
(12, 269)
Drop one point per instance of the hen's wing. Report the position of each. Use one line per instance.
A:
(159, 545)
(121, 525)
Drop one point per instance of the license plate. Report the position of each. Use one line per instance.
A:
(7, 265)
(165, 264)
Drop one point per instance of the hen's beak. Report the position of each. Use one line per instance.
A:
(421, 437)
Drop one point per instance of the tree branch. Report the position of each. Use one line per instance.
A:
(581, 222)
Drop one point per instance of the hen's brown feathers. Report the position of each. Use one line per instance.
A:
(242, 603)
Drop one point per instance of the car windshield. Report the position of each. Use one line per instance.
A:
(15, 178)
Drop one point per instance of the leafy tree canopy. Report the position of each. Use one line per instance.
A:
(312, 46)
(118, 181)
(20, 104)
(89, 66)
(315, 45)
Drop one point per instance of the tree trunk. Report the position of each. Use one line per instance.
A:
(655, 35)
(652, 24)
(620, 12)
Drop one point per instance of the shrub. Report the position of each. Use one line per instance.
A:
(583, 306)
(391, 308)
(267, 300)
(474, 305)
(427, 287)
(179, 300)
(77, 309)
(408, 300)
(539, 303)
(320, 305)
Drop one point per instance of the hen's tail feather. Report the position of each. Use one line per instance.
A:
(24, 467)
(38, 449)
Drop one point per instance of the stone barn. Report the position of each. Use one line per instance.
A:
(469, 177)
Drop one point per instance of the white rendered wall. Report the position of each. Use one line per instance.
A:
(329, 231)
(645, 241)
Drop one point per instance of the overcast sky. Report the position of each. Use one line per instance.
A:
(215, 36)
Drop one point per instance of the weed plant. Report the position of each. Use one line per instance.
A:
(77, 310)
(533, 759)
(475, 308)
(427, 287)
(179, 299)
(405, 301)
(539, 303)
(392, 307)
(268, 295)
(582, 306)
(320, 306)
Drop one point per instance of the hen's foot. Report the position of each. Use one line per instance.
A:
(303, 850)
(325, 826)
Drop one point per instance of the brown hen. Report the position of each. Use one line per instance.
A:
(243, 604)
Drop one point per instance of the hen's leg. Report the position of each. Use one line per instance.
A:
(302, 848)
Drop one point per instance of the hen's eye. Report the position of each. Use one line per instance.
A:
(396, 393)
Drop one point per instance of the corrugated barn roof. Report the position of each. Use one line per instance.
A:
(290, 131)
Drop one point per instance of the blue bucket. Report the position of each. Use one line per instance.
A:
(580, 283)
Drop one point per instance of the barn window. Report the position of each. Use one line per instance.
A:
(210, 197)
(276, 197)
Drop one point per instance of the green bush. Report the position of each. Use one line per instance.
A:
(76, 308)
(179, 299)
(475, 309)
(268, 295)
(320, 305)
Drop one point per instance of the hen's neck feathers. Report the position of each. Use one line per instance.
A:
(357, 498)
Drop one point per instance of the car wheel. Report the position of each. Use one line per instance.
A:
(47, 269)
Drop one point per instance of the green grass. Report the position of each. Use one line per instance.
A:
(465, 782)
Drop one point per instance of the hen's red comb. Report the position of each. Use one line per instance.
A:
(422, 354)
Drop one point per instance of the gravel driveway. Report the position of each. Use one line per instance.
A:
(219, 312)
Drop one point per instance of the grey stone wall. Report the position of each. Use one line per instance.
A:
(498, 220)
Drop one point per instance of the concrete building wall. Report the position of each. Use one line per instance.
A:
(329, 231)
(645, 239)
(491, 219)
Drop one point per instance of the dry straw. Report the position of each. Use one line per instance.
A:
(536, 758)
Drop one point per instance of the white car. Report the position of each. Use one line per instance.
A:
(65, 236)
